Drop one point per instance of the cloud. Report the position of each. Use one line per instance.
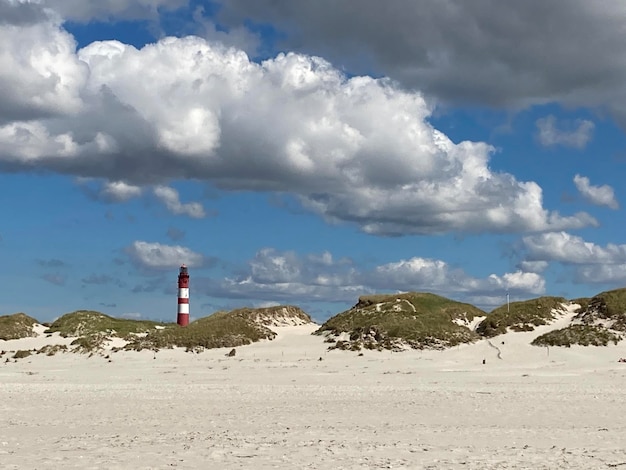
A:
(438, 276)
(275, 276)
(51, 263)
(599, 195)
(82, 11)
(118, 191)
(278, 276)
(494, 53)
(54, 278)
(533, 266)
(108, 191)
(102, 279)
(594, 264)
(158, 256)
(40, 76)
(237, 36)
(170, 198)
(21, 13)
(292, 124)
(570, 249)
(602, 274)
(550, 135)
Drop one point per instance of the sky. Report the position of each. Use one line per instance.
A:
(308, 153)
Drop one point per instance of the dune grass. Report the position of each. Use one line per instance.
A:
(418, 320)
(83, 323)
(22, 353)
(608, 308)
(520, 316)
(220, 330)
(16, 326)
(584, 335)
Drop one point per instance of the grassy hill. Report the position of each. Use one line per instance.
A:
(520, 316)
(418, 320)
(16, 326)
(608, 308)
(222, 329)
(600, 320)
(584, 335)
(88, 322)
(92, 328)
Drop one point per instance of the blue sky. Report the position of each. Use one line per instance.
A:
(308, 153)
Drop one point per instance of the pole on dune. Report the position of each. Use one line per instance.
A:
(507, 302)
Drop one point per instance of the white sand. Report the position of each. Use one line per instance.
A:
(275, 405)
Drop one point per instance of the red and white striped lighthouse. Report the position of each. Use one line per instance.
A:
(183, 297)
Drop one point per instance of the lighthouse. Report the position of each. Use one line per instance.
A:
(183, 297)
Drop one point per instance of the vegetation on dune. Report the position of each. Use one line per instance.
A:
(21, 354)
(220, 330)
(386, 321)
(584, 335)
(520, 316)
(52, 349)
(92, 329)
(607, 309)
(418, 320)
(598, 322)
(89, 323)
(16, 326)
(583, 302)
(275, 316)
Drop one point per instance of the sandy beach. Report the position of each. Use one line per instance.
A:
(277, 405)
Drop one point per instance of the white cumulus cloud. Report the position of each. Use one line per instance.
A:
(577, 135)
(570, 249)
(40, 75)
(358, 150)
(158, 256)
(282, 276)
(119, 191)
(602, 274)
(599, 195)
(171, 199)
(533, 266)
(594, 264)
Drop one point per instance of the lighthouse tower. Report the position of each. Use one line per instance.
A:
(183, 297)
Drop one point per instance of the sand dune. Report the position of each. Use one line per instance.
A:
(276, 405)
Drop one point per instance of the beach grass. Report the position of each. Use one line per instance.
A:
(417, 320)
(83, 323)
(520, 316)
(583, 335)
(219, 330)
(16, 326)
